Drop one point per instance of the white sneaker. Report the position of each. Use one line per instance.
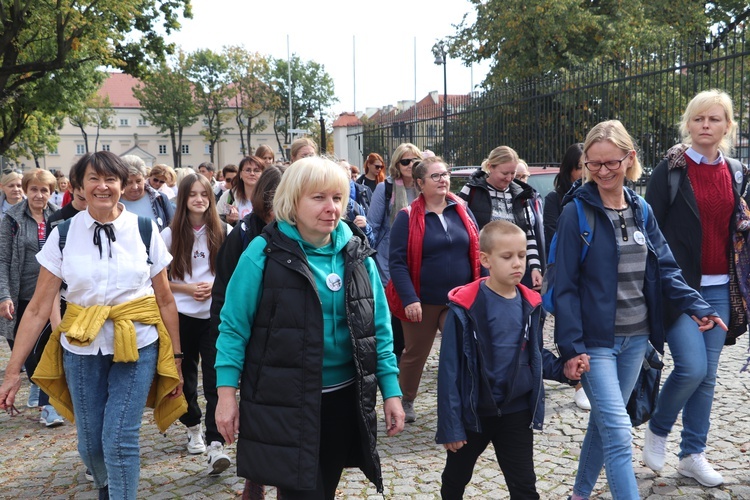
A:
(411, 415)
(195, 444)
(697, 467)
(654, 450)
(218, 461)
(581, 400)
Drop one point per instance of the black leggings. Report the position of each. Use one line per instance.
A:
(31, 361)
(339, 442)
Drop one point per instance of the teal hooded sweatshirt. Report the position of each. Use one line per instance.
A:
(243, 296)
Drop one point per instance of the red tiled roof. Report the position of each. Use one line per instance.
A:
(119, 88)
(347, 120)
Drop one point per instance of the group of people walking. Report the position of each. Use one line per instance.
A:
(299, 292)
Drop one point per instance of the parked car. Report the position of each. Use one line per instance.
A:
(541, 178)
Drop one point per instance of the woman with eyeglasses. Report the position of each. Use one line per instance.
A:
(304, 147)
(236, 202)
(608, 306)
(696, 194)
(139, 197)
(11, 193)
(492, 193)
(158, 179)
(390, 196)
(434, 248)
(374, 168)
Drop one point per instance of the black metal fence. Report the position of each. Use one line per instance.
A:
(541, 117)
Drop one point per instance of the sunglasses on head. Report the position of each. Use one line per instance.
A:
(407, 161)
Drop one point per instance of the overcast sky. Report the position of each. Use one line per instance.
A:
(383, 49)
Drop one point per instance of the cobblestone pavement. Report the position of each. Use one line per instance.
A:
(43, 463)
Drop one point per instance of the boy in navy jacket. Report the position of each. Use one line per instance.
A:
(492, 362)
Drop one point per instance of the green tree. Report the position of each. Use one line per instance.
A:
(249, 73)
(43, 43)
(311, 90)
(213, 91)
(38, 138)
(525, 38)
(95, 111)
(166, 99)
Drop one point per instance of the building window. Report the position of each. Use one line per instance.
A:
(207, 149)
(205, 122)
(105, 147)
(142, 122)
(124, 122)
(162, 149)
(185, 149)
(80, 149)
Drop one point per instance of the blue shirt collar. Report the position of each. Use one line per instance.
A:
(699, 158)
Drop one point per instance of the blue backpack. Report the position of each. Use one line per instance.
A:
(586, 226)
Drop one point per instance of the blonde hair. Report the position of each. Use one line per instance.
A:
(498, 156)
(308, 175)
(699, 104)
(614, 132)
(10, 177)
(38, 176)
(301, 143)
(401, 150)
(159, 170)
(491, 233)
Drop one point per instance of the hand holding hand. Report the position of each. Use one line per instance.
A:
(575, 367)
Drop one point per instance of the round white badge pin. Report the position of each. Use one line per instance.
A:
(639, 238)
(333, 281)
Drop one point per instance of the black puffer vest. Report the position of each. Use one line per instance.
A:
(282, 381)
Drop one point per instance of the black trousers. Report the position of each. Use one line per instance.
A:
(198, 345)
(513, 440)
(339, 440)
(31, 361)
(398, 337)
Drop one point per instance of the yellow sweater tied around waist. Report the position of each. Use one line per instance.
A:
(82, 325)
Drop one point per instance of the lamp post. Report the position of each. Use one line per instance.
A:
(311, 115)
(441, 58)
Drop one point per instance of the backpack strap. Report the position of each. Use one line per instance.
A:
(145, 229)
(62, 230)
(674, 179)
(586, 225)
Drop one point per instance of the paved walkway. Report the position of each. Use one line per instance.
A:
(36, 462)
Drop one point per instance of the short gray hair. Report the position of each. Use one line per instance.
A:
(135, 164)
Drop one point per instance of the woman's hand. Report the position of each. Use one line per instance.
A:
(536, 279)
(360, 221)
(178, 390)
(708, 322)
(394, 416)
(228, 414)
(11, 384)
(7, 309)
(575, 367)
(414, 312)
(455, 446)
(233, 215)
(202, 291)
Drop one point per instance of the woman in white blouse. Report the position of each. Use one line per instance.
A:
(114, 351)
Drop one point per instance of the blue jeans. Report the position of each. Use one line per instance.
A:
(608, 440)
(690, 386)
(108, 400)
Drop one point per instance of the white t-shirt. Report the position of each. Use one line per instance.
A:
(94, 280)
(201, 271)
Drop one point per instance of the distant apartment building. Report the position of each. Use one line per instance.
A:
(132, 134)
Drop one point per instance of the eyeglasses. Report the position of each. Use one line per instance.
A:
(158, 181)
(611, 165)
(228, 179)
(253, 171)
(407, 161)
(378, 166)
(437, 176)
